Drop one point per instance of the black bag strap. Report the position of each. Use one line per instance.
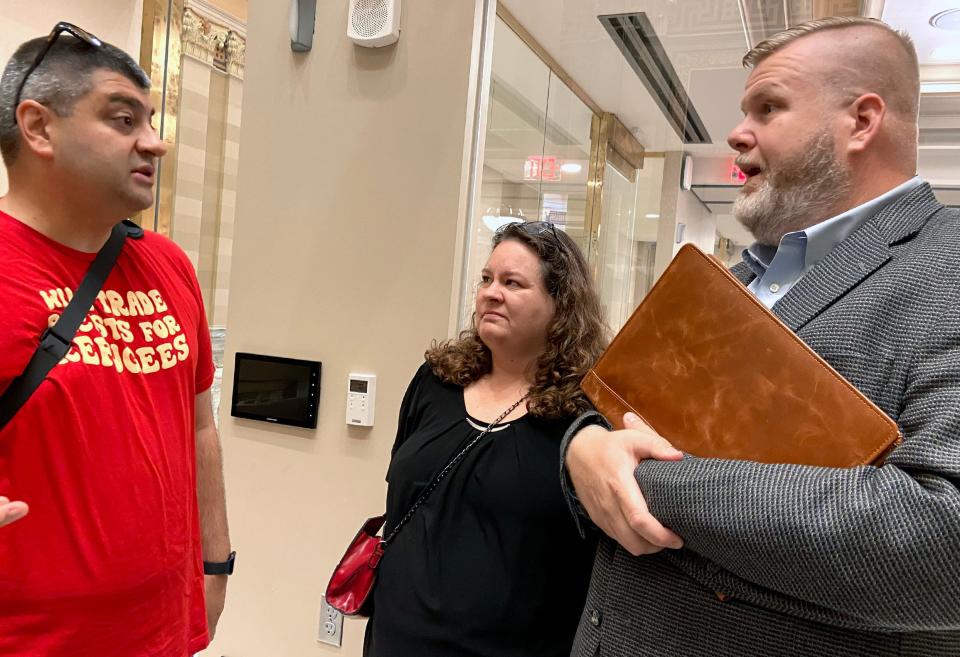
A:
(447, 470)
(56, 341)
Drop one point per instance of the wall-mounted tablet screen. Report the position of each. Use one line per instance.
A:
(277, 390)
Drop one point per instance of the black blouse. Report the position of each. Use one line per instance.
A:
(492, 564)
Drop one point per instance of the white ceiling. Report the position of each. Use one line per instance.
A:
(698, 37)
(914, 18)
(705, 42)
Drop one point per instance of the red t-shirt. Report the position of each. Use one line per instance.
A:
(107, 563)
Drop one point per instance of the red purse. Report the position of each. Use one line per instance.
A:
(352, 581)
(351, 585)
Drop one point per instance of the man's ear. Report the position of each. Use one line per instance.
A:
(866, 116)
(35, 122)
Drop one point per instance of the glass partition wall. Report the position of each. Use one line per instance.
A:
(536, 155)
(549, 156)
(626, 244)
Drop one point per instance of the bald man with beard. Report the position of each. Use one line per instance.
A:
(855, 255)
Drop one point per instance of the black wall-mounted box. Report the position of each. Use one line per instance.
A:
(277, 390)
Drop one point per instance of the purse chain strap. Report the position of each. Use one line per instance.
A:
(446, 470)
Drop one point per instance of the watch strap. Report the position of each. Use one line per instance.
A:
(220, 567)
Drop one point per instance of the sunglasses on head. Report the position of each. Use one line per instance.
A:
(55, 33)
(533, 228)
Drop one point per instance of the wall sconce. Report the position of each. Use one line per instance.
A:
(303, 16)
(686, 173)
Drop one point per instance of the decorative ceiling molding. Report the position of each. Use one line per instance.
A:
(764, 18)
(690, 60)
(698, 18)
(214, 37)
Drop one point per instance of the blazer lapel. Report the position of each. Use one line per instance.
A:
(847, 264)
(855, 258)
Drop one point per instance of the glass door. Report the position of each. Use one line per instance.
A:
(615, 247)
(536, 155)
(550, 154)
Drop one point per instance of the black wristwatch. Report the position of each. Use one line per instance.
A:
(220, 567)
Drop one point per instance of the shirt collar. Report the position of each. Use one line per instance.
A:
(758, 257)
(821, 238)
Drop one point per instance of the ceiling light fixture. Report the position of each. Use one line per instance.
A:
(571, 167)
(946, 20)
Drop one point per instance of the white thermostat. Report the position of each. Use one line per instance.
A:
(361, 396)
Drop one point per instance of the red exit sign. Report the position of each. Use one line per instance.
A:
(541, 168)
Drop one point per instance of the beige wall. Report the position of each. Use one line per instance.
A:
(344, 252)
(114, 21)
(237, 8)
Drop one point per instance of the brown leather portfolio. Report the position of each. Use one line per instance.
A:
(713, 371)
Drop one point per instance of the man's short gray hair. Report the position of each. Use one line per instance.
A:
(61, 79)
(769, 46)
(891, 71)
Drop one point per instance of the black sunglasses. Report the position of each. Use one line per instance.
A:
(55, 33)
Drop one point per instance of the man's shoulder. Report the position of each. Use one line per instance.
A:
(921, 215)
(16, 238)
(942, 226)
(160, 249)
(161, 243)
(936, 243)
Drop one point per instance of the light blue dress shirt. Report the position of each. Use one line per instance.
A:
(779, 269)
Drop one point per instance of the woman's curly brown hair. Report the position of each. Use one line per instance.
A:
(576, 336)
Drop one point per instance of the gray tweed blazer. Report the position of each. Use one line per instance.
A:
(819, 562)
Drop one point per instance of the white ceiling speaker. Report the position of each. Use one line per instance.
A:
(374, 23)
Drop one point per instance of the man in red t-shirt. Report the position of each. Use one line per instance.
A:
(116, 452)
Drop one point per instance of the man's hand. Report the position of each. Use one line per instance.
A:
(215, 592)
(11, 511)
(601, 465)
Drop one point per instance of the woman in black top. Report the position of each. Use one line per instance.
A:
(492, 564)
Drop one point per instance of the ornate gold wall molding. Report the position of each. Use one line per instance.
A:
(214, 39)
(171, 28)
(160, 57)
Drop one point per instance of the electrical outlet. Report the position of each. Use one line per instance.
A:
(331, 625)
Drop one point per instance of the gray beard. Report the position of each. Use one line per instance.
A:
(797, 195)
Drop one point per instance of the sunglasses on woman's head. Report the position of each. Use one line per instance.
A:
(55, 33)
(533, 228)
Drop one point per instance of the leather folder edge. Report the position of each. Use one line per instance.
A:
(604, 389)
(886, 443)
